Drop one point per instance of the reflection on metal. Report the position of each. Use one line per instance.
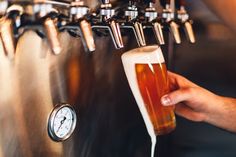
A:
(24, 110)
(159, 33)
(189, 32)
(175, 31)
(52, 35)
(139, 30)
(105, 21)
(154, 23)
(88, 40)
(132, 22)
(7, 36)
(62, 122)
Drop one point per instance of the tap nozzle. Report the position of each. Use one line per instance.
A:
(108, 22)
(184, 20)
(132, 22)
(154, 23)
(45, 12)
(8, 25)
(52, 35)
(7, 37)
(3, 8)
(168, 17)
(78, 11)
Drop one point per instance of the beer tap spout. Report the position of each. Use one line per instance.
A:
(153, 22)
(78, 24)
(8, 28)
(184, 20)
(132, 22)
(168, 18)
(105, 21)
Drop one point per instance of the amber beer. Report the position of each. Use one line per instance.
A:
(147, 75)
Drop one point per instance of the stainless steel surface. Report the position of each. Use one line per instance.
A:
(109, 123)
(7, 37)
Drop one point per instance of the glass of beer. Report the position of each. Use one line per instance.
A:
(147, 76)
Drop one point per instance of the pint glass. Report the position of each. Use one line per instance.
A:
(146, 72)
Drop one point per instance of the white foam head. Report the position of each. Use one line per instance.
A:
(148, 55)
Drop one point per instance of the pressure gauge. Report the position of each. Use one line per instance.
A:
(61, 122)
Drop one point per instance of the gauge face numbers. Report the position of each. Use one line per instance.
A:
(62, 122)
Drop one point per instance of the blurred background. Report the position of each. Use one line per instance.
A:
(109, 121)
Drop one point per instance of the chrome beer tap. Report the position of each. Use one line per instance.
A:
(3, 7)
(46, 14)
(105, 21)
(78, 25)
(154, 22)
(8, 25)
(184, 20)
(132, 22)
(168, 17)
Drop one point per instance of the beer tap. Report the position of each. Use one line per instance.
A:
(168, 19)
(153, 22)
(8, 25)
(79, 25)
(184, 21)
(46, 13)
(106, 21)
(132, 22)
(3, 7)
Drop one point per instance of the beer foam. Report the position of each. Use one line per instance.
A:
(148, 55)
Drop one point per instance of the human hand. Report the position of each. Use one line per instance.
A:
(200, 105)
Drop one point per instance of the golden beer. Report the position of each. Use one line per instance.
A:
(147, 76)
(153, 84)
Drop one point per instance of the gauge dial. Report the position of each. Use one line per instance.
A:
(62, 122)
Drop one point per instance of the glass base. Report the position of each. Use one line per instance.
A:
(165, 129)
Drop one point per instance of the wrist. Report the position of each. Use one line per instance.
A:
(222, 113)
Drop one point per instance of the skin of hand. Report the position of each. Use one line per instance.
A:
(200, 105)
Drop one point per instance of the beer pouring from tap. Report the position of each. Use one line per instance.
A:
(152, 22)
(184, 21)
(168, 18)
(107, 22)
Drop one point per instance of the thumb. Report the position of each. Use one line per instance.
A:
(176, 97)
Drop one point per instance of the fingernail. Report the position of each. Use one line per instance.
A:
(165, 100)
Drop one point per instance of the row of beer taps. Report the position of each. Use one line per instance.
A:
(48, 18)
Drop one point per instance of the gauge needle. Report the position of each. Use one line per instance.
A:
(62, 121)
